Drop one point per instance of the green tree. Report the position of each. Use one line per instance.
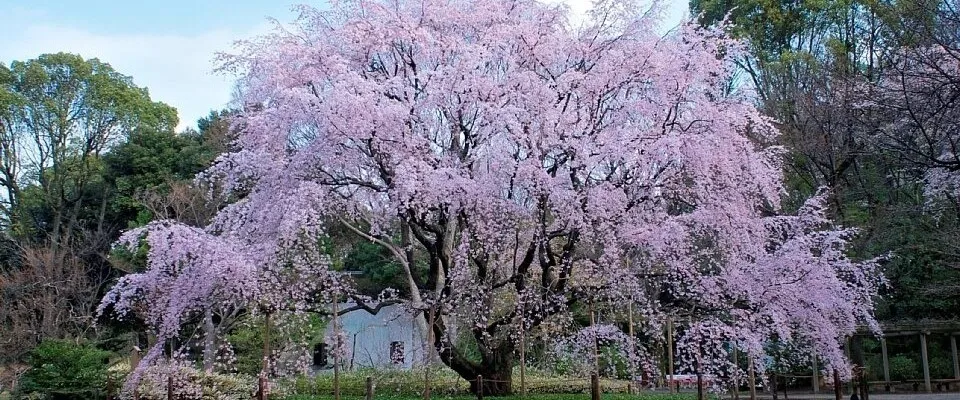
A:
(150, 163)
(59, 114)
(64, 370)
(809, 61)
(66, 113)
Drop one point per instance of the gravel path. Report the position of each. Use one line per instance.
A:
(876, 396)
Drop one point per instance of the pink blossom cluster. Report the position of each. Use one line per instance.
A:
(531, 164)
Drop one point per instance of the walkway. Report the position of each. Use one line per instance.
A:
(877, 396)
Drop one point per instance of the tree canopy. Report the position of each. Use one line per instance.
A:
(537, 167)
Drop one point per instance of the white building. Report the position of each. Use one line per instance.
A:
(389, 339)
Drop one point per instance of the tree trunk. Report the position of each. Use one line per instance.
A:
(209, 341)
(497, 379)
(496, 369)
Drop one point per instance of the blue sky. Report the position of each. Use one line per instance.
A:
(165, 45)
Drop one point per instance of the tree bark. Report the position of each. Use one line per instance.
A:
(496, 367)
(209, 341)
(497, 377)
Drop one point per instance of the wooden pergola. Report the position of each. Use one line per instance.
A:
(921, 328)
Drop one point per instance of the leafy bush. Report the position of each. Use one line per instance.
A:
(64, 370)
(941, 368)
(192, 384)
(444, 382)
(903, 368)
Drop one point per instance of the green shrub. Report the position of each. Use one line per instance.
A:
(191, 383)
(941, 368)
(903, 368)
(64, 370)
(444, 382)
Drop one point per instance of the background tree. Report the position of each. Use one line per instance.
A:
(85, 154)
(818, 68)
(60, 114)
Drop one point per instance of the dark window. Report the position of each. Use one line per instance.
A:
(320, 355)
(396, 352)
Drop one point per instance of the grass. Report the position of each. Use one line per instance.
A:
(446, 385)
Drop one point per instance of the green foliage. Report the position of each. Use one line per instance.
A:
(772, 26)
(59, 113)
(903, 367)
(380, 269)
(86, 85)
(403, 384)
(150, 160)
(66, 370)
(247, 340)
(804, 56)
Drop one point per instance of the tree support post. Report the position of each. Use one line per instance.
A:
(753, 381)
(736, 376)
(886, 365)
(816, 375)
(837, 390)
(369, 388)
(523, 351)
(956, 357)
(670, 381)
(594, 386)
(428, 355)
(336, 348)
(633, 344)
(926, 362)
(479, 387)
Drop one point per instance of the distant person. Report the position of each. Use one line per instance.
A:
(854, 397)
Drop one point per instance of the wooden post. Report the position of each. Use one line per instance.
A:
(369, 388)
(736, 376)
(886, 362)
(336, 348)
(134, 357)
(262, 382)
(784, 388)
(670, 381)
(925, 361)
(427, 353)
(864, 385)
(699, 383)
(753, 380)
(523, 351)
(700, 372)
(169, 388)
(479, 387)
(596, 347)
(633, 343)
(261, 388)
(816, 370)
(837, 390)
(956, 357)
(594, 386)
(846, 352)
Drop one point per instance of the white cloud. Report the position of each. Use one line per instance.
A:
(177, 69)
(675, 11)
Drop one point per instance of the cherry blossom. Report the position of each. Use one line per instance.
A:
(534, 165)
